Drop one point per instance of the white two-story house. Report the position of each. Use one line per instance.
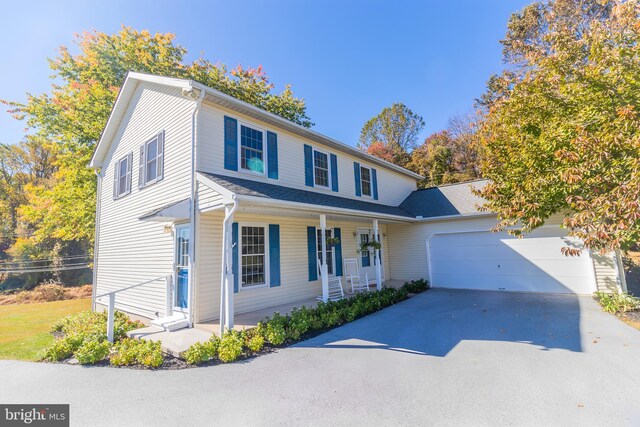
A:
(209, 207)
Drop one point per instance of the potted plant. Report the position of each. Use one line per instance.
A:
(369, 246)
(332, 241)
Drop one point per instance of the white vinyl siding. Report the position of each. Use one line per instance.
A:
(393, 187)
(133, 251)
(295, 284)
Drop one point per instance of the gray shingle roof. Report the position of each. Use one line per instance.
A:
(249, 187)
(446, 200)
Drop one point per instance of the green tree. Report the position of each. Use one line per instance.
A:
(392, 134)
(70, 118)
(561, 128)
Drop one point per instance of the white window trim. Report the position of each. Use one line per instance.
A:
(370, 196)
(267, 277)
(313, 161)
(329, 249)
(264, 148)
(127, 178)
(159, 158)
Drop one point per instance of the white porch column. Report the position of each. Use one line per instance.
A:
(324, 270)
(376, 254)
(226, 283)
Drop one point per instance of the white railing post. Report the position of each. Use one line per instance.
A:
(169, 303)
(111, 316)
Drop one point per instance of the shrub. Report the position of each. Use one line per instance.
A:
(617, 303)
(253, 339)
(416, 286)
(144, 352)
(150, 353)
(125, 353)
(202, 352)
(60, 349)
(275, 333)
(230, 347)
(92, 352)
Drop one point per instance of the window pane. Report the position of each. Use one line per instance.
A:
(328, 234)
(151, 169)
(365, 180)
(251, 150)
(321, 169)
(122, 176)
(253, 256)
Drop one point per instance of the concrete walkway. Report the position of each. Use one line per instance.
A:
(441, 358)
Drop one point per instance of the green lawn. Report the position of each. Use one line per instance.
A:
(24, 328)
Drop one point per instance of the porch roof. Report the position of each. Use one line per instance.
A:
(171, 212)
(262, 190)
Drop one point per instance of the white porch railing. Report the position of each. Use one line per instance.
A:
(112, 301)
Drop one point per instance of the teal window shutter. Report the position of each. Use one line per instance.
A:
(274, 255)
(338, 251)
(272, 155)
(374, 183)
(234, 255)
(356, 174)
(308, 165)
(334, 172)
(230, 143)
(313, 253)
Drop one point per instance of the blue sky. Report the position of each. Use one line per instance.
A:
(347, 59)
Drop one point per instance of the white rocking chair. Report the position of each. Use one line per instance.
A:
(336, 291)
(359, 282)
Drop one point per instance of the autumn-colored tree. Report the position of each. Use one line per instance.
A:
(392, 134)
(70, 118)
(561, 128)
(447, 156)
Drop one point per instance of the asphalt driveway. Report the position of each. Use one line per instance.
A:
(443, 357)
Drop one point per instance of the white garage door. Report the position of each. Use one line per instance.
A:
(497, 261)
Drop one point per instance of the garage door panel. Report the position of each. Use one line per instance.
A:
(497, 261)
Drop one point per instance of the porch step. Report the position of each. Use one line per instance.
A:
(172, 323)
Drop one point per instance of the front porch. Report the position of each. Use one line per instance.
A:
(176, 342)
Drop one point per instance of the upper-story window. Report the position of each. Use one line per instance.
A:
(321, 168)
(151, 166)
(122, 177)
(365, 180)
(251, 150)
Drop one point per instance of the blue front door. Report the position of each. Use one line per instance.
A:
(182, 267)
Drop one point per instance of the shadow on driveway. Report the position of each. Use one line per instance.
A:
(434, 322)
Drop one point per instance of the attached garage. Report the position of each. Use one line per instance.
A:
(497, 261)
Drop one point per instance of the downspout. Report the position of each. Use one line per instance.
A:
(194, 207)
(95, 241)
(227, 266)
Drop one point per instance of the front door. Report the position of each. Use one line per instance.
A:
(367, 258)
(181, 296)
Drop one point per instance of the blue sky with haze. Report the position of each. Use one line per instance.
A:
(347, 59)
